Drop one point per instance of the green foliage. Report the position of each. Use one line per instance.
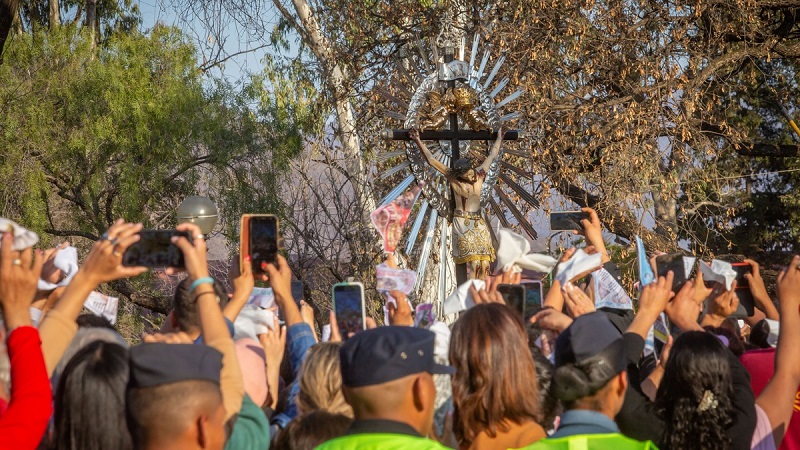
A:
(126, 134)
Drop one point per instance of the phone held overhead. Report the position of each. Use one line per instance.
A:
(155, 249)
(567, 220)
(348, 307)
(259, 241)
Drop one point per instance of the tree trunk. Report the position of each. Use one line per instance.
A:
(91, 22)
(55, 14)
(8, 10)
(336, 80)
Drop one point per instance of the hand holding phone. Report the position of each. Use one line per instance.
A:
(155, 249)
(259, 241)
(672, 262)
(747, 303)
(348, 307)
(567, 220)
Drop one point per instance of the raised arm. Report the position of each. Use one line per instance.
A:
(414, 135)
(495, 151)
(777, 398)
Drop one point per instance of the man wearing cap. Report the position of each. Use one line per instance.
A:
(590, 380)
(174, 399)
(387, 379)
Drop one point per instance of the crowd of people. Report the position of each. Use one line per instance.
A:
(574, 376)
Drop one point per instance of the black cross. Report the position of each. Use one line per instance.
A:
(455, 136)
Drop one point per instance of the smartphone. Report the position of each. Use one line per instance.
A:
(672, 262)
(514, 296)
(567, 220)
(747, 303)
(297, 291)
(259, 240)
(155, 249)
(348, 307)
(533, 298)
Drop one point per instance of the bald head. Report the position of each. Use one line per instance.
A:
(409, 399)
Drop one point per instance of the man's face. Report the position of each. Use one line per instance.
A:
(469, 176)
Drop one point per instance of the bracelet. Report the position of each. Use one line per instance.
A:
(200, 281)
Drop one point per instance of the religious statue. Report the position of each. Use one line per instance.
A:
(472, 241)
(460, 101)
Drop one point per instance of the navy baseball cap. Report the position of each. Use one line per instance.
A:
(159, 363)
(385, 354)
(591, 336)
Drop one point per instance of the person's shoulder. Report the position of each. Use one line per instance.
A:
(611, 441)
(381, 441)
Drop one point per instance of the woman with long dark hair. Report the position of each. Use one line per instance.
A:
(495, 394)
(695, 397)
(90, 400)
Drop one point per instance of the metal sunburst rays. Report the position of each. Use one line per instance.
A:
(508, 185)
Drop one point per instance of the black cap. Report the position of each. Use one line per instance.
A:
(158, 363)
(591, 336)
(385, 354)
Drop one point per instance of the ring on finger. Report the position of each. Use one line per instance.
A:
(116, 253)
(200, 236)
(16, 262)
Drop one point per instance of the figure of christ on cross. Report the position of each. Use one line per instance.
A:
(472, 242)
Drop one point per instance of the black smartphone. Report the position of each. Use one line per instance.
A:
(567, 220)
(514, 296)
(673, 262)
(348, 307)
(155, 249)
(533, 298)
(747, 303)
(263, 239)
(297, 291)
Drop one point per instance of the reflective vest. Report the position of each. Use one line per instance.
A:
(612, 441)
(381, 441)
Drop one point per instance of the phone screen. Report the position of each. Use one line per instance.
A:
(533, 298)
(673, 262)
(567, 220)
(297, 290)
(747, 303)
(514, 296)
(263, 241)
(155, 249)
(348, 305)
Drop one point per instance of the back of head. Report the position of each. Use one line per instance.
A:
(387, 373)
(495, 377)
(695, 394)
(589, 355)
(184, 305)
(321, 382)
(172, 389)
(90, 400)
(308, 431)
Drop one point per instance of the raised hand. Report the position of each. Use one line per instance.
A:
(400, 314)
(578, 303)
(721, 306)
(592, 230)
(553, 320)
(104, 261)
(195, 253)
(19, 276)
(759, 291)
(683, 310)
(652, 302)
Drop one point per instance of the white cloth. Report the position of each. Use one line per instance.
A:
(579, 263)
(23, 238)
(514, 254)
(460, 299)
(441, 344)
(253, 321)
(102, 305)
(720, 272)
(67, 261)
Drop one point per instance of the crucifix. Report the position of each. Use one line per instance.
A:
(472, 243)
